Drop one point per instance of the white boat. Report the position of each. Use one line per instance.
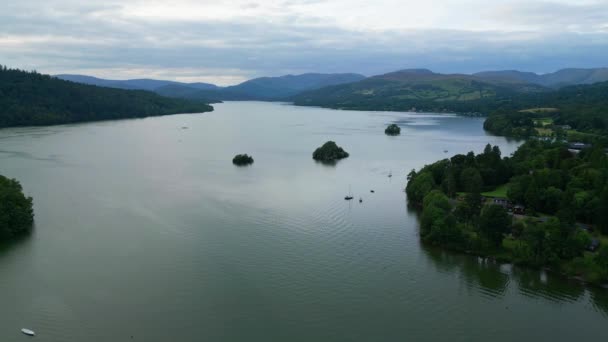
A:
(28, 332)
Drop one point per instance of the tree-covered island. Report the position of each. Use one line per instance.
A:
(545, 206)
(329, 152)
(392, 129)
(242, 160)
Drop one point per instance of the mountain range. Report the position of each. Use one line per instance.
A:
(558, 79)
(135, 84)
(393, 90)
(429, 91)
(263, 88)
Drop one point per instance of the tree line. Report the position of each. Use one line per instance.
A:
(562, 192)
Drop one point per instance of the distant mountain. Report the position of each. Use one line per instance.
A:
(416, 88)
(560, 78)
(264, 88)
(510, 76)
(186, 92)
(568, 77)
(141, 84)
(29, 98)
(278, 88)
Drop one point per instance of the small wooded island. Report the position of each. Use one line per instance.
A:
(242, 160)
(329, 152)
(16, 212)
(392, 129)
(544, 207)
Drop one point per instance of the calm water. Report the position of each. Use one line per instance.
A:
(146, 231)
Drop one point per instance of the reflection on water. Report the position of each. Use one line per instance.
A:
(479, 274)
(493, 279)
(146, 228)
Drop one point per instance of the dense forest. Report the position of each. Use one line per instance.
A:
(551, 210)
(30, 98)
(569, 111)
(16, 213)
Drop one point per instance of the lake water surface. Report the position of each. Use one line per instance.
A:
(145, 231)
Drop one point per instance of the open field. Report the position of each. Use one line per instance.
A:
(499, 192)
(539, 110)
(544, 121)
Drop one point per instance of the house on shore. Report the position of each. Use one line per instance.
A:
(519, 210)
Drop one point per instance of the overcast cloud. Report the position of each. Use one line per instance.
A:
(225, 42)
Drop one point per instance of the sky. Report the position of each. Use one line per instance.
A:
(227, 42)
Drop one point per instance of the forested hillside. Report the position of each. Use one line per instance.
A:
(568, 111)
(30, 98)
(418, 89)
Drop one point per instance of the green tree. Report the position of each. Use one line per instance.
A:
(437, 224)
(601, 213)
(472, 183)
(449, 184)
(494, 222)
(419, 185)
(16, 212)
(471, 180)
(532, 196)
(534, 236)
(601, 260)
(551, 199)
(488, 149)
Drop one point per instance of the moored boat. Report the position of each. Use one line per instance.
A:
(28, 332)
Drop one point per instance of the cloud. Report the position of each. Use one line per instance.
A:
(226, 43)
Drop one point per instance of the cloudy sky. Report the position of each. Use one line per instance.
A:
(225, 42)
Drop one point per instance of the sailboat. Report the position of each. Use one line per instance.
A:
(349, 196)
(390, 174)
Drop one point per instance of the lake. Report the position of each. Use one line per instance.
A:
(145, 231)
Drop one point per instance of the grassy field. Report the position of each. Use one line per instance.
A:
(539, 110)
(499, 192)
(544, 121)
(580, 136)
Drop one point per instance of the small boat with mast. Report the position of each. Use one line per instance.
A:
(349, 196)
